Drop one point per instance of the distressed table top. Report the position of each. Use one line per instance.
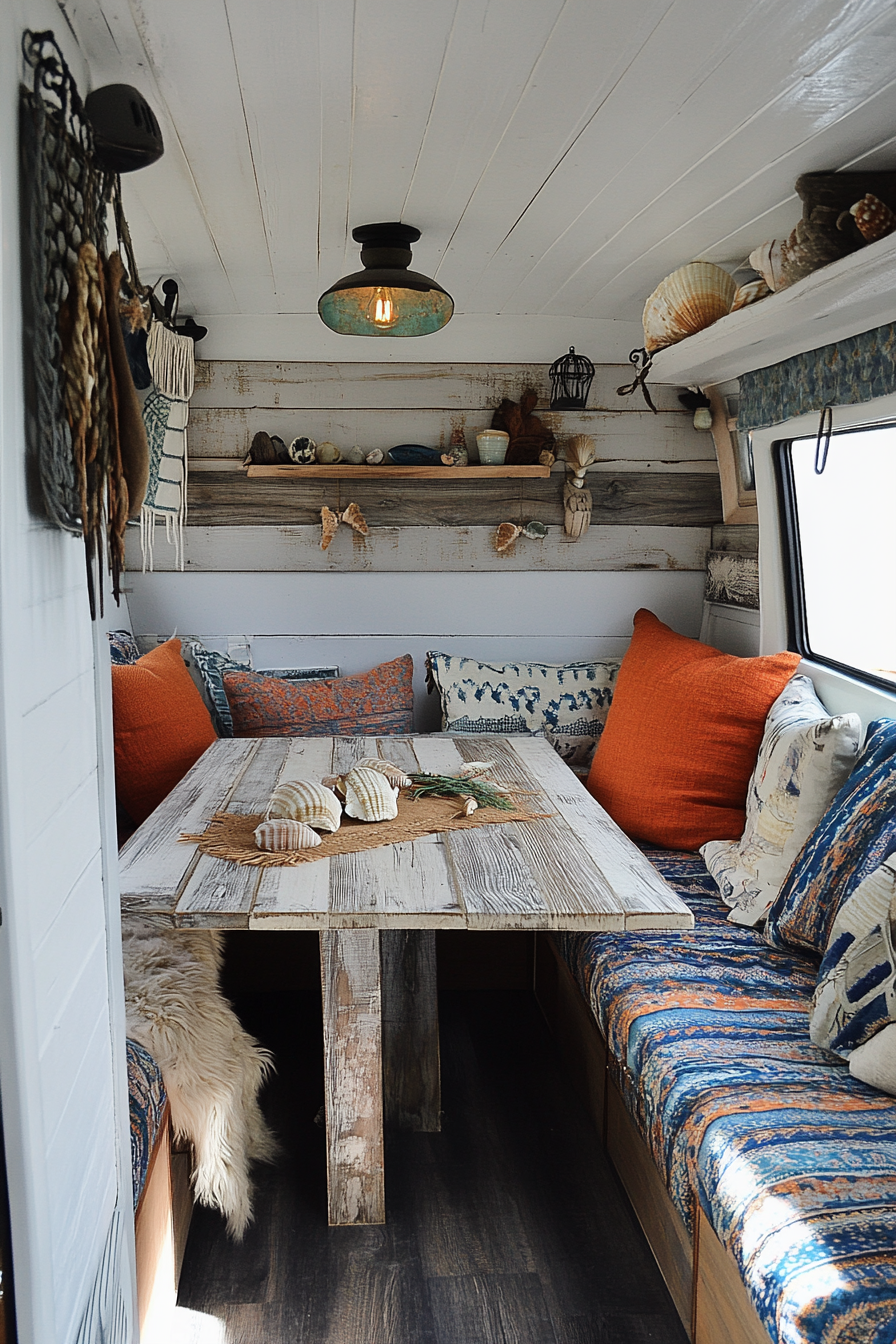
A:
(575, 870)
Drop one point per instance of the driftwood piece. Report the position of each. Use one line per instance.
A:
(577, 505)
(529, 436)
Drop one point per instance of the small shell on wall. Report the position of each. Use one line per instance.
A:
(304, 800)
(369, 796)
(505, 536)
(687, 301)
(355, 519)
(329, 522)
(282, 833)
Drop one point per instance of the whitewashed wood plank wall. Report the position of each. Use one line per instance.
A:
(62, 1066)
(410, 588)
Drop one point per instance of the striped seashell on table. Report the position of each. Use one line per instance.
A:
(691, 298)
(369, 796)
(394, 773)
(283, 833)
(307, 801)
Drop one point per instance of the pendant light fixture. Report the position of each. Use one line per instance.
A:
(385, 299)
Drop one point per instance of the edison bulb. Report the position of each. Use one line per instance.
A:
(382, 309)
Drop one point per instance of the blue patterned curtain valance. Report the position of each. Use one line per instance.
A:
(857, 369)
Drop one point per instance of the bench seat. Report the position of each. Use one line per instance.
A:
(791, 1160)
(148, 1101)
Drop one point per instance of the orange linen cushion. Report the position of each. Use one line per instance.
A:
(682, 736)
(161, 728)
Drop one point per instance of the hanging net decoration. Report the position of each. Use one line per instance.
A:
(571, 377)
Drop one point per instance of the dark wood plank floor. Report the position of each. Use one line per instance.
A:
(508, 1227)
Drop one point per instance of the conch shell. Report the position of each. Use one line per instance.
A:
(369, 796)
(691, 298)
(282, 833)
(394, 773)
(874, 218)
(304, 800)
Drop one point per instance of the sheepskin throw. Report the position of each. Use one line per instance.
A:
(213, 1069)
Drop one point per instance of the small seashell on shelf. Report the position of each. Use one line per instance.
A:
(354, 455)
(768, 260)
(874, 218)
(307, 801)
(301, 451)
(394, 773)
(751, 292)
(687, 301)
(282, 833)
(327, 454)
(369, 796)
(374, 457)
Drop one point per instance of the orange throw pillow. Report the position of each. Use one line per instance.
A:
(161, 728)
(682, 736)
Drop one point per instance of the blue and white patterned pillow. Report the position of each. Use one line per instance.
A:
(805, 757)
(568, 702)
(123, 648)
(211, 667)
(856, 992)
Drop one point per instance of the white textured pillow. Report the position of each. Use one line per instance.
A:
(875, 1061)
(806, 755)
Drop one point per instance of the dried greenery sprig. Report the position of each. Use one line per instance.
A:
(449, 786)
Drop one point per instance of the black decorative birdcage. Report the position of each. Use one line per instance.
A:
(571, 378)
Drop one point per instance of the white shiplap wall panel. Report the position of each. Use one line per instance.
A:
(61, 1047)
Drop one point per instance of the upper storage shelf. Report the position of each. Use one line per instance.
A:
(851, 295)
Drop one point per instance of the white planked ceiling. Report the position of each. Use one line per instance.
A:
(560, 156)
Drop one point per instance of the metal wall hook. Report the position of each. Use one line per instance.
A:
(823, 437)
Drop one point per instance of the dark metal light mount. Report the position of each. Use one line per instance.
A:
(386, 298)
(126, 135)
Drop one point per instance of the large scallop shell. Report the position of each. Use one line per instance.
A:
(369, 796)
(691, 298)
(304, 800)
(394, 773)
(282, 833)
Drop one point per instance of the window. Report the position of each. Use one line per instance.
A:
(842, 545)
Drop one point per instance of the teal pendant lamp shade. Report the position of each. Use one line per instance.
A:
(385, 299)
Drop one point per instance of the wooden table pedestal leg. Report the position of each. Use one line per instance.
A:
(411, 1076)
(353, 1075)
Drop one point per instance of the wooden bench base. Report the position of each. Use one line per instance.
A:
(702, 1277)
(161, 1225)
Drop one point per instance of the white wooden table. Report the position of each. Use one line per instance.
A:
(377, 911)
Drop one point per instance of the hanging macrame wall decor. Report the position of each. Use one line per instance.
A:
(86, 440)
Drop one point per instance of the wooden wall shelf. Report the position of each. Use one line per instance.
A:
(851, 295)
(347, 472)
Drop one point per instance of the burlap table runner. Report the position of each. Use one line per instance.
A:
(230, 836)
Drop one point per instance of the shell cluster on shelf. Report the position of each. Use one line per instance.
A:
(306, 801)
(687, 301)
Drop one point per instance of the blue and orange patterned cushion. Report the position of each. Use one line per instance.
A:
(792, 1159)
(855, 836)
(147, 1098)
(378, 703)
